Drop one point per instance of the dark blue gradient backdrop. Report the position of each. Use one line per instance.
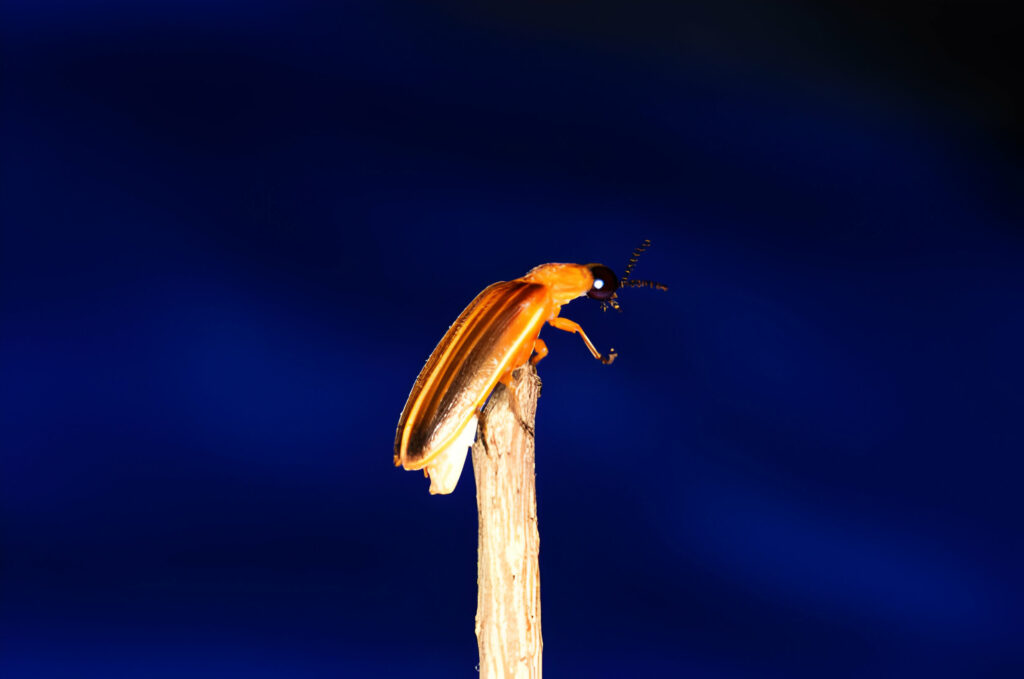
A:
(233, 232)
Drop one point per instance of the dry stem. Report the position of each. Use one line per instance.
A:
(508, 576)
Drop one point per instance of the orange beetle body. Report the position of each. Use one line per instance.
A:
(494, 335)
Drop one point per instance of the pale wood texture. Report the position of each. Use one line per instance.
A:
(508, 574)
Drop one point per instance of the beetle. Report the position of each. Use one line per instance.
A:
(494, 335)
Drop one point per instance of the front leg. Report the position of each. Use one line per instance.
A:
(573, 326)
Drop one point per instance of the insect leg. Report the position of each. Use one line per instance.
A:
(573, 326)
(519, 417)
(541, 348)
(506, 380)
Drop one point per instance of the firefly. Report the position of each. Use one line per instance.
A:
(498, 332)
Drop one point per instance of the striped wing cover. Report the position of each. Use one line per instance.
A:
(465, 367)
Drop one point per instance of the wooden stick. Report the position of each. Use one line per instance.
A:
(508, 575)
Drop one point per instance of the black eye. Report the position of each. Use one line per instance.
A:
(605, 282)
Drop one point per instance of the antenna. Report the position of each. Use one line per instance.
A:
(627, 282)
(633, 260)
(641, 283)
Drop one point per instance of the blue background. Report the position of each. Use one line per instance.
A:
(233, 232)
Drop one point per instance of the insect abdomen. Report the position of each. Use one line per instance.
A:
(467, 363)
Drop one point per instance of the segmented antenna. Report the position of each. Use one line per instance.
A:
(627, 282)
(632, 260)
(640, 283)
